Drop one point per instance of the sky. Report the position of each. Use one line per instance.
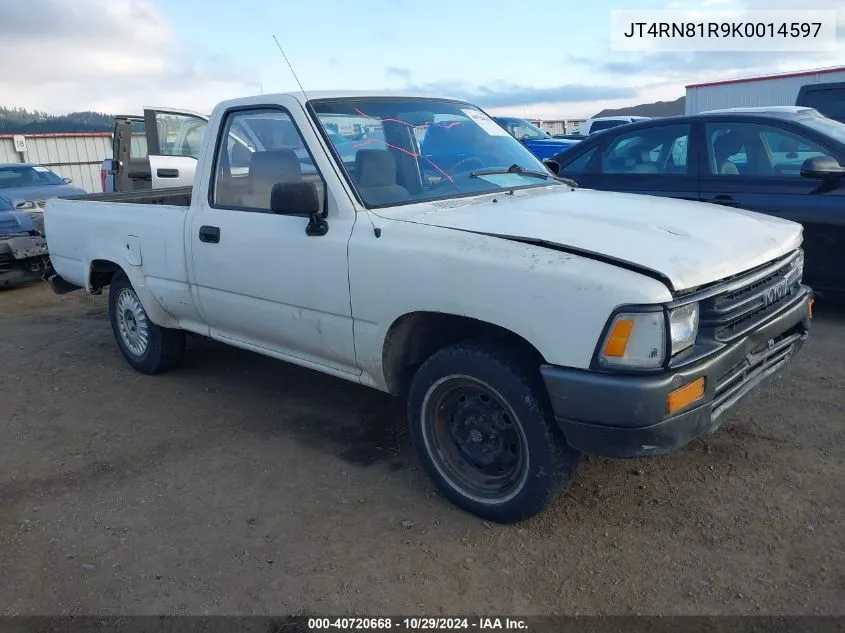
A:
(547, 61)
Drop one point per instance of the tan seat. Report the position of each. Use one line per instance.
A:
(267, 169)
(638, 161)
(375, 173)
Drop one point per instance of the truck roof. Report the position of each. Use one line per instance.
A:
(343, 94)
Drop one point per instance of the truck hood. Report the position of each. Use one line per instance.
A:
(687, 243)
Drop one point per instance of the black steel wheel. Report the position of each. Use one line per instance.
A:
(481, 423)
(474, 437)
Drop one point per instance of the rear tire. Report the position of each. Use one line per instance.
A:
(482, 425)
(149, 348)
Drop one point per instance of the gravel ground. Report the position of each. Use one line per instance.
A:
(238, 484)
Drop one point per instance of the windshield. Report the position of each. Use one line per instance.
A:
(27, 176)
(523, 130)
(828, 127)
(401, 151)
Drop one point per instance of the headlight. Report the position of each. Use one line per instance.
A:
(683, 327)
(635, 340)
(797, 267)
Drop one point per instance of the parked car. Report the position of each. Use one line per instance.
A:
(784, 161)
(538, 141)
(525, 320)
(597, 124)
(24, 182)
(23, 249)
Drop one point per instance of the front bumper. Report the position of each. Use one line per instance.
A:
(21, 247)
(23, 258)
(627, 416)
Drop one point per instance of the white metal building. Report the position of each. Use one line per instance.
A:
(75, 156)
(559, 126)
(767, 90)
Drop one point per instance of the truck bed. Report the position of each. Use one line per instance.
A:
(130, 229)
(173, 196)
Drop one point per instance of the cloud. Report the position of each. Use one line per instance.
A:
(505, 95)
(402, 73)
(687, 66)
(107, 55)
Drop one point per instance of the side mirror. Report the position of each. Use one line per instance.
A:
(552, 165)
(67, 181)
(299, 198)
(822, 167)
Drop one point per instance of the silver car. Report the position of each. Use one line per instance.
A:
(21, 182)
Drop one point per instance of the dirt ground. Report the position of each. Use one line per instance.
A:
(238, 484)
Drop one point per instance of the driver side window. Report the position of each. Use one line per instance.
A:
(246, 172)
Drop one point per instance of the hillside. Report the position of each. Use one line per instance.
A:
(656, 109)
(21, 121)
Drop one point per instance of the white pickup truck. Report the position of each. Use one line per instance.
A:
(410, 244)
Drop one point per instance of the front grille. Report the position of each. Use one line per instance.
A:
(746, 306)
(764, 361)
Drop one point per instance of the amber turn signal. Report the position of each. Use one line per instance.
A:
(685, 396)
(810, 302)
(618, 339)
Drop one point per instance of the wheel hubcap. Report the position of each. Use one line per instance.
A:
(132, 322)
(477, 442)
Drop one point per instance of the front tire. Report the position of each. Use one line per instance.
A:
(481, 423)
(149, 348)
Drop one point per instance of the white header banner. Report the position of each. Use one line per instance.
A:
(728, 30)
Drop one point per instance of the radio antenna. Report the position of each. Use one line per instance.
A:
(376, 230)
(292, 72)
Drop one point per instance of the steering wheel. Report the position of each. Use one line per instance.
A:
(465, 160)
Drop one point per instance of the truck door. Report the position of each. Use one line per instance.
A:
(174, 138)
(260, 280)
(132, 169)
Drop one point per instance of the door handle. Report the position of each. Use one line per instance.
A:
(725, 200)
(167, 173)
(210, 234)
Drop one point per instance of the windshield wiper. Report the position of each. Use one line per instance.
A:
(517, 169)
